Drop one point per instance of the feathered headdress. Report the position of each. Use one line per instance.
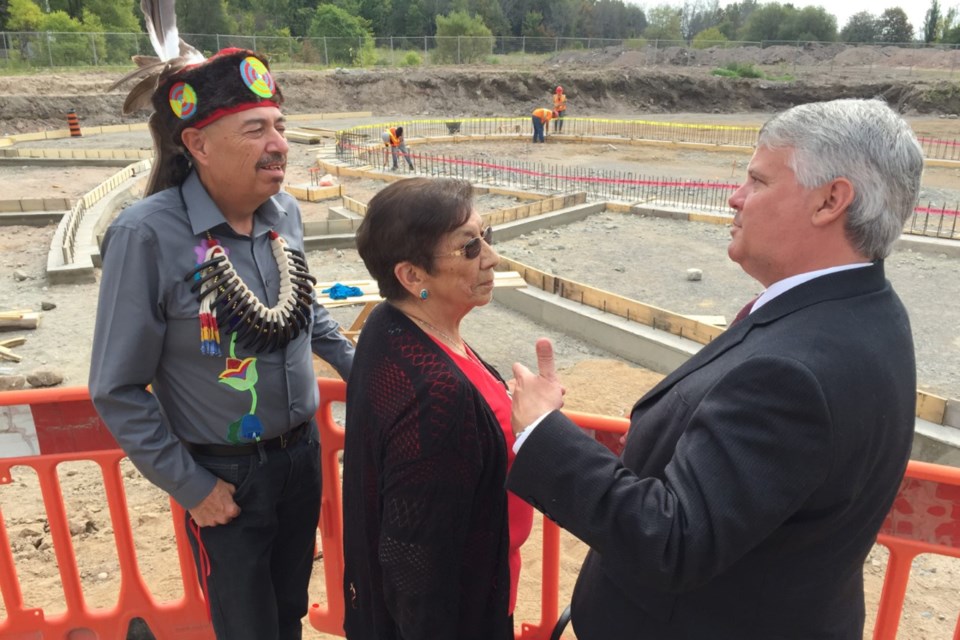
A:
(173, 54)
(187, 90)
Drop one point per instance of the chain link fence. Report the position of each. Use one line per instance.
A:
(27, 50)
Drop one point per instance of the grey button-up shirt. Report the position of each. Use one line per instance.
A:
(148, 332)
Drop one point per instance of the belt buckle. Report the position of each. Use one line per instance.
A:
(284, 440)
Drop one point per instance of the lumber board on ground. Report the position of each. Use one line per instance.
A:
(15, 320)
(301, 136)
(930, 407)
(6, 345)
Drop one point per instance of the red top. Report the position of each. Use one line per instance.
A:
(519, 513)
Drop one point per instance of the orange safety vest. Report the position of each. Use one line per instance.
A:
(394, 138)
(559, 102)
(546, 115)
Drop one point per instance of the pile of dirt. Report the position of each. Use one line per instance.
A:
(610, 80)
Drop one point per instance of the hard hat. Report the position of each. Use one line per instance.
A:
(559, 89)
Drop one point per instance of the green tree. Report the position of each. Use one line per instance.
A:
(663, 23)
(377, 13)
(610, 19)
(894, 26)
(261, 17)
(114, 15)
(25, 15)
(951, 35)
(533, 25)
(634, 22)
(734, 18)
(765, 21)
(861, 27)
(810, 24)
(4, 14)
(69, 41)
(346, 36)
(707, 38)
(416, 20)
(947, 24)
(931, 22)
(699, 15)
(73, 8)
(491, 12)
(561, 18)
(299, 21)
(204, 16)
(515, 11)
(475, 44)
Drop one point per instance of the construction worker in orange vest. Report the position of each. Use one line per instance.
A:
(541, 119)
(393, 138)
(559, 106)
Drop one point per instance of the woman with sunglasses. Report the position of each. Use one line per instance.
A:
(431, 539)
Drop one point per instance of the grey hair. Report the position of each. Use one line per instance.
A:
(869, 144)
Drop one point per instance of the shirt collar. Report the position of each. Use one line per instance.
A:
(204, 214)
(786, 284)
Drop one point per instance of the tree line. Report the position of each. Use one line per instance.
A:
(698, 22)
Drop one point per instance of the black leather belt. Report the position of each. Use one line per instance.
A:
(282, 441)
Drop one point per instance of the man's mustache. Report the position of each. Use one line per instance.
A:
(273, 158)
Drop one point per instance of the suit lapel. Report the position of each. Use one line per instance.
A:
(719, 345)
(834, 286)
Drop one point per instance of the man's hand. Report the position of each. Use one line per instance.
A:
(535, 395)
(218, 507)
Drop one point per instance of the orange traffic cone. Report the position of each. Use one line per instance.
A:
(74, 124)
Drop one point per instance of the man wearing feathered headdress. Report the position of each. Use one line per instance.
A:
(206, 296)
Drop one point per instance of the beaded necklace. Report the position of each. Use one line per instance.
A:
(227, 302)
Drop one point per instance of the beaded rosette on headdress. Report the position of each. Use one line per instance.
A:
(231, 81)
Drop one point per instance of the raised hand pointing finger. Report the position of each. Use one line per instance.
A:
(545, 362)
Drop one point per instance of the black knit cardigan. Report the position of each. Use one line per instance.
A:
(425, 510)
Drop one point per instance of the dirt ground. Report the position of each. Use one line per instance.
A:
(639, 257)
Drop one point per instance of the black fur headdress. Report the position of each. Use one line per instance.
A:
(187, 90)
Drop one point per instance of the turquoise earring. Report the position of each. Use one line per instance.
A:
(423, 294)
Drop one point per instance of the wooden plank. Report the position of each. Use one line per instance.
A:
(930, 407)
(302, 137)
(11, 321)
(612, 303)
(717, 321)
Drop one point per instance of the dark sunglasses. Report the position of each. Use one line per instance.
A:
(472, 249)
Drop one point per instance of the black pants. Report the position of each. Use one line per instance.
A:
(260, 562)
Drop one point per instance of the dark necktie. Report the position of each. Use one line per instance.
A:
(743, 313)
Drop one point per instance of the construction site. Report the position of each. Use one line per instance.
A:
(612, 240)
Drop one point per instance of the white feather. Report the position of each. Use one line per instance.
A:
(160, 17)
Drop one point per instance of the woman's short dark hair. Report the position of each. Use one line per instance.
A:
(405, 222)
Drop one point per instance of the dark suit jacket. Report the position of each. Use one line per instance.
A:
(754, 477)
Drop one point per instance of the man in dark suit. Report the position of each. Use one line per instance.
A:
(755, 477)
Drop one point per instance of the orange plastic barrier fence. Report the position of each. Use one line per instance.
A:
(924, 519)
